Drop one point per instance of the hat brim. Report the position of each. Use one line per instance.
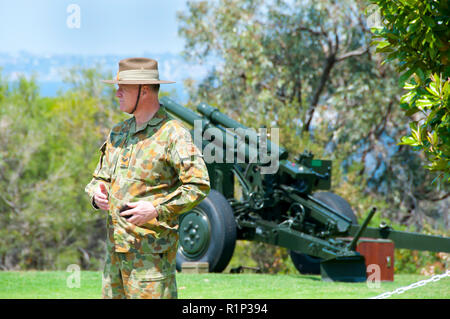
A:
(137, 82)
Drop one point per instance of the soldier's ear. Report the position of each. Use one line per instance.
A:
(145, 90)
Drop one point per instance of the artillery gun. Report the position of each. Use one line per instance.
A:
(289, 206)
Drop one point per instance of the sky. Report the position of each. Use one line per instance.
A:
(90, 27)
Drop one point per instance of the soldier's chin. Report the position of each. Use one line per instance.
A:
(125, 108)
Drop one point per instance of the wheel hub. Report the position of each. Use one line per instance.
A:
(194, 234)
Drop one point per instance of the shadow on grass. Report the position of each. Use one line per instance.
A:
(294, 276)
(311, 277)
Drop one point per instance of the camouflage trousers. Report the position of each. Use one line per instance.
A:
(137, 275)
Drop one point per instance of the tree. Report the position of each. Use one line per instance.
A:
(416, 34)
(47, 144)
(263, 55)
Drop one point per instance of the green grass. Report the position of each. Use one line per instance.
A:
(48, 285)
(53, 285)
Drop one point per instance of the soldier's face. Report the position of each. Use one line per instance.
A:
(127, 95)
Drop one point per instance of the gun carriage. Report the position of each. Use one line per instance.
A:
(290, 206)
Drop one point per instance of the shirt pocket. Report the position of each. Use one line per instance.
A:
(122, 158)
(148, 165)
(149, 267)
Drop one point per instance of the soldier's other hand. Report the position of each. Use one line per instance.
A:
(141, 212)
(101, 197)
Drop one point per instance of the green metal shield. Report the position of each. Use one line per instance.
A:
(344, 268)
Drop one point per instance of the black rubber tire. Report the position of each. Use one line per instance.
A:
(307, 264)
(222, 233)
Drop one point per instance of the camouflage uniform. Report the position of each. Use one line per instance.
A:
(157, 162)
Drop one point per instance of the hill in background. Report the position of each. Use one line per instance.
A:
(50, 70)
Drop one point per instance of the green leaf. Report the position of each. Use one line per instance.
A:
(412, 111)
(407, 98)
(382, 44)
(417, 134)
(432, 89)
(408, 140)
(392, 56)
(405, 76)
(421, 74)
(423, 103)
(428, 21)
(410, 86)
(393, 36)
(385, 49)
(413, 125)
(437, 80)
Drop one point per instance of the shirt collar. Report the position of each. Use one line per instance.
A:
(154, 121)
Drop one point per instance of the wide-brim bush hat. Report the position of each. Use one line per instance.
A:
(138, 71)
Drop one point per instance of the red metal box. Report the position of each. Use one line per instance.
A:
(379, 256)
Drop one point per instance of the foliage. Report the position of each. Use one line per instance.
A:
(261, 54)
(415, 34)
(261, 257)
(47, 144)
(419, 262)
(430, 133)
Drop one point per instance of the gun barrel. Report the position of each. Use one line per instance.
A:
(243, 153)
(217, 117)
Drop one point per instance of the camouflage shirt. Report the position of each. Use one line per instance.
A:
(157, 162)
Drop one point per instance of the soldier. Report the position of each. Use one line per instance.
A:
(149, 172)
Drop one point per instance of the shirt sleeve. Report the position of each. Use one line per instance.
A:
(187, 161)
(101, 174)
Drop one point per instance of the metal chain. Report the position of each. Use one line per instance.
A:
(412, 286)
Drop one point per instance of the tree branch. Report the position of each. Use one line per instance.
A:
(353, 53)
(311, 31)
(425, 196)
(329, 63)
(10, 204)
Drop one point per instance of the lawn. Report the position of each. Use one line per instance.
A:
(53, 285)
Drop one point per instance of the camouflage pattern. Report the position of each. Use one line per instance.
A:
(139, 275)
(157, 162)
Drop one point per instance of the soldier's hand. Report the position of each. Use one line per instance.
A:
(101, 197)
(141, 212)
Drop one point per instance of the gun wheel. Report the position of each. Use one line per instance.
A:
(307, 264)
(208, 233)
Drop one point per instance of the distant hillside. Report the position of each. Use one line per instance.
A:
(50, 70)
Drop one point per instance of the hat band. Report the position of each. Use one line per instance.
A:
(137, 75)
